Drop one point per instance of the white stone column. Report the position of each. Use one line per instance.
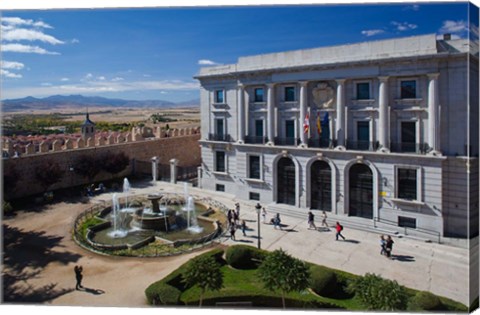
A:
(331, 127)
(270, 113)
(433, 138)
(303, 113)
(154, 168)
(383, 127)
(173, 171)
(340, 126)
(241, 114)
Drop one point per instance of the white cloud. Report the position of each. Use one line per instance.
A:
(12, 65)
(369, 33)
(206, 62)
(46, 84)
(74, 41)
(116, 79)
(16, 21)
(403, 26)
(20, 48)
(414, 7)
(29, 35)
(449, 26)
(8, 74)
(101, 78)
(64, 79)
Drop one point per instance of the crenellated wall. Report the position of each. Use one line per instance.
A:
(179, 144)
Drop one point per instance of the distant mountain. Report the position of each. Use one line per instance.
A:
(80, 101)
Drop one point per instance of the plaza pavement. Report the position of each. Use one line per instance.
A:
(438, 268)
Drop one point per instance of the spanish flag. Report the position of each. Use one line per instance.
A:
(319, 125)
(306, 124)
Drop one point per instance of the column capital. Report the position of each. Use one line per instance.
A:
(340, 81)
(241, 85)
(433, 76)
(271, 85)
(303, 83)
(383, 78)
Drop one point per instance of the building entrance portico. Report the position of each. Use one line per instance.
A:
(321, 186)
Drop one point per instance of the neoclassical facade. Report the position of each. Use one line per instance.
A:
(381, 133)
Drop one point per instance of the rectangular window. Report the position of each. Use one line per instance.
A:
(258, 97)
(408, 89)
(259, 128)
(220, 161)
(254, 196)
(363, 135)
(220, 187)
(407, 222)
(363, 91)
(219, 99)
(407, 183)
(408, 134)
(254, 167)
(289, 94)
(219, 128)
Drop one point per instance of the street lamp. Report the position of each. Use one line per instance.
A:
(258, 207)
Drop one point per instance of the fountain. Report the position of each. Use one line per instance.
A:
(118, 228)
(126, 190)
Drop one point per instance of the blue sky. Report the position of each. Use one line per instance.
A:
(153, 53)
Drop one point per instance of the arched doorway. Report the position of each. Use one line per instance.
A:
(321, 186)
(361, 191)
(286, 181)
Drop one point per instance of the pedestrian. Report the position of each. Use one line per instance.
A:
(311, 218)
(235, 218)
(339, 229)
(277, 221)
(244, 227)
(78, 276)
(237, 209)
(383, 244)
(389, 246)
(264, 215)
(324, 219)
(232, 232)
(229, 216)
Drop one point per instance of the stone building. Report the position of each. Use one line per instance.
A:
(381, 133)
(88, 128)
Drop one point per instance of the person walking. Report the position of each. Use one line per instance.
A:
(78, 276)
(237, 209)
(244, 227)
(389, 246)
(383, 244)
(311, 223)
(229, 217)
(339, 229)
(232, 231)
(324, 219)
(264, 215)
(277, 221)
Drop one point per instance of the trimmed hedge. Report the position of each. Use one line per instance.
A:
(425, 301)
(323, 281)
(244, 257)
(162, 294)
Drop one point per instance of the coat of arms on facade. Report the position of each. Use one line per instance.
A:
(323, 95)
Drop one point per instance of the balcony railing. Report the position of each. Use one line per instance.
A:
(404, 147)
(321, 143)
(362, 145)
(256, 140)
(215, 137)
(287, 141)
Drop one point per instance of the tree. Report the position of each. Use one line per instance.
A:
(48, 174)
(87, 166)
(205, 272)
(379, 294)
(282, 272)
(10, 179)
(115, 163)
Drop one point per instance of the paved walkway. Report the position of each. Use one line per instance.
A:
(121, 281)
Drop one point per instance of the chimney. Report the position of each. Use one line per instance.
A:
(447, 36)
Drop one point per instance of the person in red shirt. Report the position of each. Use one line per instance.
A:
(339, 229)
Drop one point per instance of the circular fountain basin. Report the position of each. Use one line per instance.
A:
(149, 220)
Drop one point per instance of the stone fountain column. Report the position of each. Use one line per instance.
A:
(155, 205)
(173, 171)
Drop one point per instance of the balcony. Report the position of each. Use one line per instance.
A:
(321, 143)
(256, 140)
(362, 145)
(406, 147)
(219, 137)
(287, 141)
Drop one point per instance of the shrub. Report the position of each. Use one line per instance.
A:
(323, 281)
(426, 301)
(160, 293)
(244, 257)
(7, 208)
(376, 293)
